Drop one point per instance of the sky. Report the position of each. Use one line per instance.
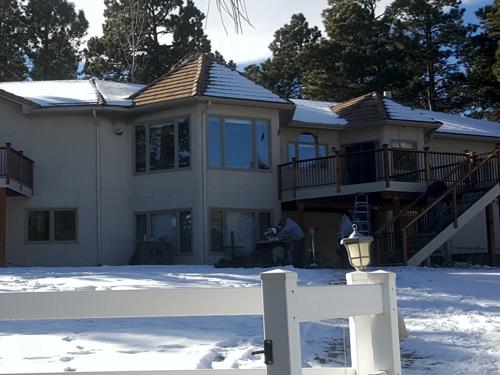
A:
(252, 45)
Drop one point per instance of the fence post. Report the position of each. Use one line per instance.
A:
(427, 164)
(404, 238)
(281, 325)
(375, 338)
(294, 176)
(497, 148)
(7, 168)
(386, 165)
(338, 171)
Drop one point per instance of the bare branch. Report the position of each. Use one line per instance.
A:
(236, 10)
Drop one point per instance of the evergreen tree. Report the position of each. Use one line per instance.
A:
(483, 86)
(12, 41)
(357, 57)
(283, 72)
(54, 33)
(147, 43)
(433, 34)
(493, 22)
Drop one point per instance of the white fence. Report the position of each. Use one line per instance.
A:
(369, 301)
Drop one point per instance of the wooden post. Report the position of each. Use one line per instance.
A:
(386, 165)
(280, 182)
(455, 208)
(20, 169)
(404, 238)
(294, 176)
(490, 234)
(281, 323)
(427, 164)
(7, 156)
(338, 171)
(497, 148)
(3, 230)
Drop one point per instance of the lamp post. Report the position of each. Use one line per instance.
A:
(358, 249)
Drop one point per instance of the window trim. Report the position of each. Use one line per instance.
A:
(253, 121)
(254, 211)
(177, 212)
(399, 140)
(51, 211)
(165, 121)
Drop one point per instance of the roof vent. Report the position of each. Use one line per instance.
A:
(388, 94)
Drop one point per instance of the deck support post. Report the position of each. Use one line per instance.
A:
(3, 231)
(386, 165)
(490, 234)
(427, 164)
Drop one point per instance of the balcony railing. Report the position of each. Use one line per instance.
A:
(15, 166)
(380, 165)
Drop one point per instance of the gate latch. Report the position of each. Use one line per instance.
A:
(268, 352)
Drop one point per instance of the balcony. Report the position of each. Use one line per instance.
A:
(377, 170)
(16, 172)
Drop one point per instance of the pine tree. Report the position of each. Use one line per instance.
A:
(433, 34)
(12, 41)
(357, 57)
(483, 86)
(54, 32)
(493, 21)
(283, 72)
(161, 22)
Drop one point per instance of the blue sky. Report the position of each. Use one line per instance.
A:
(266, 17)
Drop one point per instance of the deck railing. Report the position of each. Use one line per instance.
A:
(14, 165)
(380, 165)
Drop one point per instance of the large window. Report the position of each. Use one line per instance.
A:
(162, 146)
(238, 143)
(51, 225)
(237, 228)
(174, 228)
(306, 147)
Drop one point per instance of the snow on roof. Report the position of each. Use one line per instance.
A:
(398, 111)
(227, 83)
(72, 92)
(316, 112)
(451, 123)
(457, 124)
(117, 93)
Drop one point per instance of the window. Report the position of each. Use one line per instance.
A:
(52, 225)
(306, 147)
(174, 228)
(238, 228)
(404, 162)
(162, 146)
(238, 143)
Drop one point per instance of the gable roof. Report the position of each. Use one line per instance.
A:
(200, 76)
(316, 112)
(70, 92)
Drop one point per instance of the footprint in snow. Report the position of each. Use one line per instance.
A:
(170, 347)
(66, 359)
(69, 369)
(68, 338)
(132, 351)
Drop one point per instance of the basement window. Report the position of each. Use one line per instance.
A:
(52, 225)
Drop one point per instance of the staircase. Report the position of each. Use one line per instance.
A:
(424, 225)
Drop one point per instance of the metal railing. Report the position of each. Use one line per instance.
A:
(15, 165)
(380, 165)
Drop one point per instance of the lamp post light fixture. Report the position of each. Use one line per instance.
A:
(358, 249)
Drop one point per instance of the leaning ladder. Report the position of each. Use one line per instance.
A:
(361, 214)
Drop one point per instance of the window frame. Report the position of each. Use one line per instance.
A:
(253, 121)
(177, 213)
(51, 225)
(295, 143)
(166, 121)
(224, 210)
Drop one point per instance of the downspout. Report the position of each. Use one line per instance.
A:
(98, 185)
(204, 178)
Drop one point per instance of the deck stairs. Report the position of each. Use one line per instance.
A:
(424, 226)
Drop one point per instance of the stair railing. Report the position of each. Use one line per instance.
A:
(487, 170)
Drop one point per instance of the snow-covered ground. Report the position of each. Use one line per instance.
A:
(453, 316)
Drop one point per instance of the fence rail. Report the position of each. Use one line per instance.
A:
(369, 301)
(380, 165)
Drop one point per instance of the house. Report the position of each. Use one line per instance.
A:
(202, 159)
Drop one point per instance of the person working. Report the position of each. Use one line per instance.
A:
(291, 230)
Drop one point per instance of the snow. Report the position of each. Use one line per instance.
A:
(227, 83)
(72, 92)
(316, 112)
(453, 316)
(398, 111)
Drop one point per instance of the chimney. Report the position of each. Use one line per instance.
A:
(387, 94)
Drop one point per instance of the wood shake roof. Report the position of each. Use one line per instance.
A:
(187, 79)
(366, 108)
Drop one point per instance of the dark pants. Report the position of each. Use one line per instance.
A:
(299, 253)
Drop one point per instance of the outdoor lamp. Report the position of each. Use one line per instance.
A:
(358, 249)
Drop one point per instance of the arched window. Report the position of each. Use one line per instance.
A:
(306, 147)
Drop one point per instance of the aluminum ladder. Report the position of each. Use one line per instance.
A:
(361, 214)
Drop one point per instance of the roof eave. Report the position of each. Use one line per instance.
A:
(480, 138)
(18, 99)
(302, 124)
